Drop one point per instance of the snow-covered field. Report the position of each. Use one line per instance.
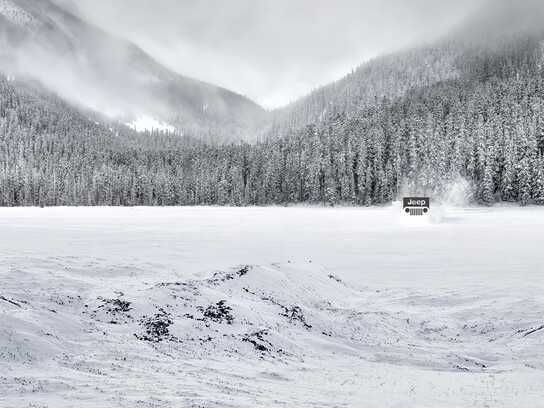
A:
(251, 307)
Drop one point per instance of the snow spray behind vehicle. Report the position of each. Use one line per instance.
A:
(416, 206)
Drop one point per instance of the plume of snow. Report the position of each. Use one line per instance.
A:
(458, 193)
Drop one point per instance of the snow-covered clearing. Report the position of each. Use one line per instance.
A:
(295, 307)
(150, 124)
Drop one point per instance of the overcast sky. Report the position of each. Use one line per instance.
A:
(273, 51)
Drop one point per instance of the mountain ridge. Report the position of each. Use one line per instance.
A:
(112, 75)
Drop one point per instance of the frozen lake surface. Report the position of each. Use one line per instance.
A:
(155, 307)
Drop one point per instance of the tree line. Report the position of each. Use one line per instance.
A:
(485, 125)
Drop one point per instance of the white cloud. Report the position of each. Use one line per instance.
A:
(273, 50)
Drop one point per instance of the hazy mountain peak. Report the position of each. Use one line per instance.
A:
(96, 70)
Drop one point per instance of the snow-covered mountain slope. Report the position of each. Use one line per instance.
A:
(123, 317)
(384, 78)
(96, 70)
(484, 37)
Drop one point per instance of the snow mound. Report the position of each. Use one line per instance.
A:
(68, 332)
(277, 311)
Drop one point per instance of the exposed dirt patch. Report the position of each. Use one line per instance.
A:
(257, 339)
(295, 314)
(220, 277)
(157, 327)
(113, 311)
(219, 312)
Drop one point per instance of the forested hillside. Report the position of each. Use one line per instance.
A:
(479, 117)
(387, 77)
